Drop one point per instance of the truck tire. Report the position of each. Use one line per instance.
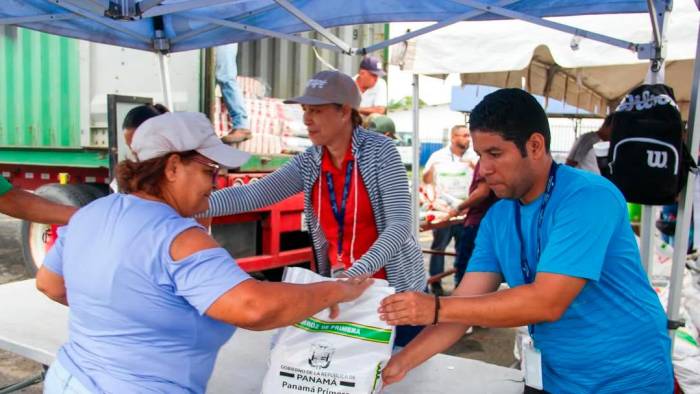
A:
(33, 236)
(95, 190)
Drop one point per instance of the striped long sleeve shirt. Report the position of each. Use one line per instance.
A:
(396, 249)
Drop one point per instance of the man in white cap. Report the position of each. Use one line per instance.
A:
(356, 201)
(372, 86)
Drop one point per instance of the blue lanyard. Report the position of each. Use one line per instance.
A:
(339, 214)
(528, 274)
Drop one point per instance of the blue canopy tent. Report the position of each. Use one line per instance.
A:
(165, 26)
(180, 25)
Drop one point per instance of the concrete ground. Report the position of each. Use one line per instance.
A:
(490, 345)
(14, 368)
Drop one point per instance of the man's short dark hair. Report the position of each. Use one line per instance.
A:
(514, 114)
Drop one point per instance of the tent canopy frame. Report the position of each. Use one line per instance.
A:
(130, 10)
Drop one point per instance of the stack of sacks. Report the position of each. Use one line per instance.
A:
(266, 119)
(275, 127)
(295, 137)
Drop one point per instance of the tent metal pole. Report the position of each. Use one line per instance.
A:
(182, 6)
(685, 205)
(345, 48)
(269, 33)
(656, 75)
(438, 25)
(646, 246)
(195, 32)
(655, 28)
(415, 166)
(552, 25)
(146, 5)
(165, 80)
(18, 20)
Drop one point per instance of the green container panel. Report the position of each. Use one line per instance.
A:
(39, 90)
(55, 158)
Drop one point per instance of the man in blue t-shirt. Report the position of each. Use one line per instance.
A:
(562, 241)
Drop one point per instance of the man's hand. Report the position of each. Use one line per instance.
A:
(452, 213)
(395, 370)
(455, 212)
(410, 308)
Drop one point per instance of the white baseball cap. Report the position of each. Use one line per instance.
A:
(181, 132)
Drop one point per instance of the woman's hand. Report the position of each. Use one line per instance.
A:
(409, 308)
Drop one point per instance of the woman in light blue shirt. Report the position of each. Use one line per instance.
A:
(152, 296)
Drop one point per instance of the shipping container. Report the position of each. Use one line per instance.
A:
(284, 66)
(55, 126)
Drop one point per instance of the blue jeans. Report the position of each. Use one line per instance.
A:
(59, 381)
(669, 215)
(464, 252)
(442, 238)
(405, 334)
(226, 73)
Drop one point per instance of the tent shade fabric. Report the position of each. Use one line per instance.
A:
(191, 27)
(592, 77)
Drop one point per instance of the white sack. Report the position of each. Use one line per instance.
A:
(340, 356)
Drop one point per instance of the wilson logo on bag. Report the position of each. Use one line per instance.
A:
(648, 160)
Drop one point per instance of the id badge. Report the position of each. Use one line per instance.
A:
(533, 365)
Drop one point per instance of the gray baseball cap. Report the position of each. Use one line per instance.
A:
(329, 87)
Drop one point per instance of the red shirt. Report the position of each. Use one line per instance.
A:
(366, 231)
(477, 212)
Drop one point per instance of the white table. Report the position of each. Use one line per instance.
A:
(34, 327)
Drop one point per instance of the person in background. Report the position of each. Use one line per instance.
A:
(24, 205)
(582, 155)
(562, 241)
(226, 73)
(132, 120)
(480, 199)
(136, 116)
(357, 204)
(456, 152)
(382, 124)
(152, 295)
(372, 87)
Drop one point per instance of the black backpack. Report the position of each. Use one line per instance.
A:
(648, 160)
